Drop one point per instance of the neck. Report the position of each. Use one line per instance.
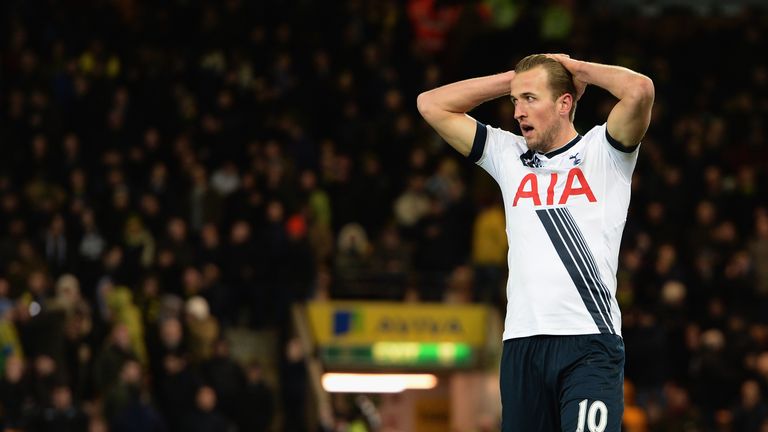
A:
(562, 137)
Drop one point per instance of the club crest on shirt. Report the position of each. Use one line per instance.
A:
(575, 158)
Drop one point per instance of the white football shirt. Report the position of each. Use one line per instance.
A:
(565, 213)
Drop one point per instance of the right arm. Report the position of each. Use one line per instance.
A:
(445, 108)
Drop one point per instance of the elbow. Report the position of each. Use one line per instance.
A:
(424, 104)
(642, 90)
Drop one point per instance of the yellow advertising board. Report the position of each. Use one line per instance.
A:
(432, 414)
(366, 323)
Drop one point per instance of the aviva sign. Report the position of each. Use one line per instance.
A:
(362, 323)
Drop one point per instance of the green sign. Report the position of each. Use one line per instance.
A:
(402, 354)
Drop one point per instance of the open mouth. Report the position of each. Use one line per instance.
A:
(526, 129)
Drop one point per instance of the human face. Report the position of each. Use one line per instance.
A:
(535, 109)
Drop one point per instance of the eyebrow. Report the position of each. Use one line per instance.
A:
(522, 95)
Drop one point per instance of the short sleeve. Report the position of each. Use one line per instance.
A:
(623, 159)
(488, 147)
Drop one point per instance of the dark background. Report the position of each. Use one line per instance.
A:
(171, 170)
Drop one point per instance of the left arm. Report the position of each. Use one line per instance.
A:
(630, 117)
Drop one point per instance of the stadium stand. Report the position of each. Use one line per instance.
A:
(173, 172)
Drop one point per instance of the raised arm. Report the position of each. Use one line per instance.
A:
(445, 108)
(630, 117)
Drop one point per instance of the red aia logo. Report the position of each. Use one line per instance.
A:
(529, 188)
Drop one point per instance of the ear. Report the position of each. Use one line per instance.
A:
(564, 104)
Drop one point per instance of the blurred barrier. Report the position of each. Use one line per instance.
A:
(322, 401)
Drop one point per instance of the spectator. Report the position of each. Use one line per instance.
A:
(758, 249)
(226, 377)
(204, 202)
(352, 251)
(391, 259)
(176, 241)
(176, 389)
(635, 418)
(58, 249)
(318, 217)
(210, 247)
(751, 411)
(46, 377)
(139, 245)
(256, 404)
(205, 417)
(714, 380)
(15, 395)
(123, 312)
(678, 413)
(167, 338)
(91, 246)
(125, 406)
(62, 415)
(489, 253)
(109, 362)
(203, 329)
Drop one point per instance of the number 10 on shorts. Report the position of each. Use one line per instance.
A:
(591, 416)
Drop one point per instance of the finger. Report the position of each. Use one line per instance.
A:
(558, 57)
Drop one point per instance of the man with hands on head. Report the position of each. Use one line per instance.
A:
(566, 197)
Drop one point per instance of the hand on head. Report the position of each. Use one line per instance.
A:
(568, 63)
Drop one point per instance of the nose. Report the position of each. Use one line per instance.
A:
(519, 112)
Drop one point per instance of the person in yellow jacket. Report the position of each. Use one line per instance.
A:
(124, 311)
(489, 253)
(10, 346)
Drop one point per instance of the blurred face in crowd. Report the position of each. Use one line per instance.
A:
(14, 369)
(253, 373)
(174, 364)
(540, 114)
(275, 211)
(211, 273)
(39, 146)
(44, 365)
(206, 399)
(750, 393)
(240, 233)
(57, 225)
(151, 138)
(5, 287)
(171, 332)
(221, 348)
(71, 145)
(9, 203)
(193, 280)
(159, 174)
(308, 180)
(77, 179)
(121, 337)
(37, 283)
(150, 205)
(62, 398)
(131, 373)
(177, 229)
(209, 235)
(97, 424)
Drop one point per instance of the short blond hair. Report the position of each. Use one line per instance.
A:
(560, 80)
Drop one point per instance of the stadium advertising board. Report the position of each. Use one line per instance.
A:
(398, 335)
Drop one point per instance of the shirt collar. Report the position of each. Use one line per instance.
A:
(564, 148)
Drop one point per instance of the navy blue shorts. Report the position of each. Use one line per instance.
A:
(563, 383)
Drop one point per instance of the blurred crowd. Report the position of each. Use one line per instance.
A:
(174, 169)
